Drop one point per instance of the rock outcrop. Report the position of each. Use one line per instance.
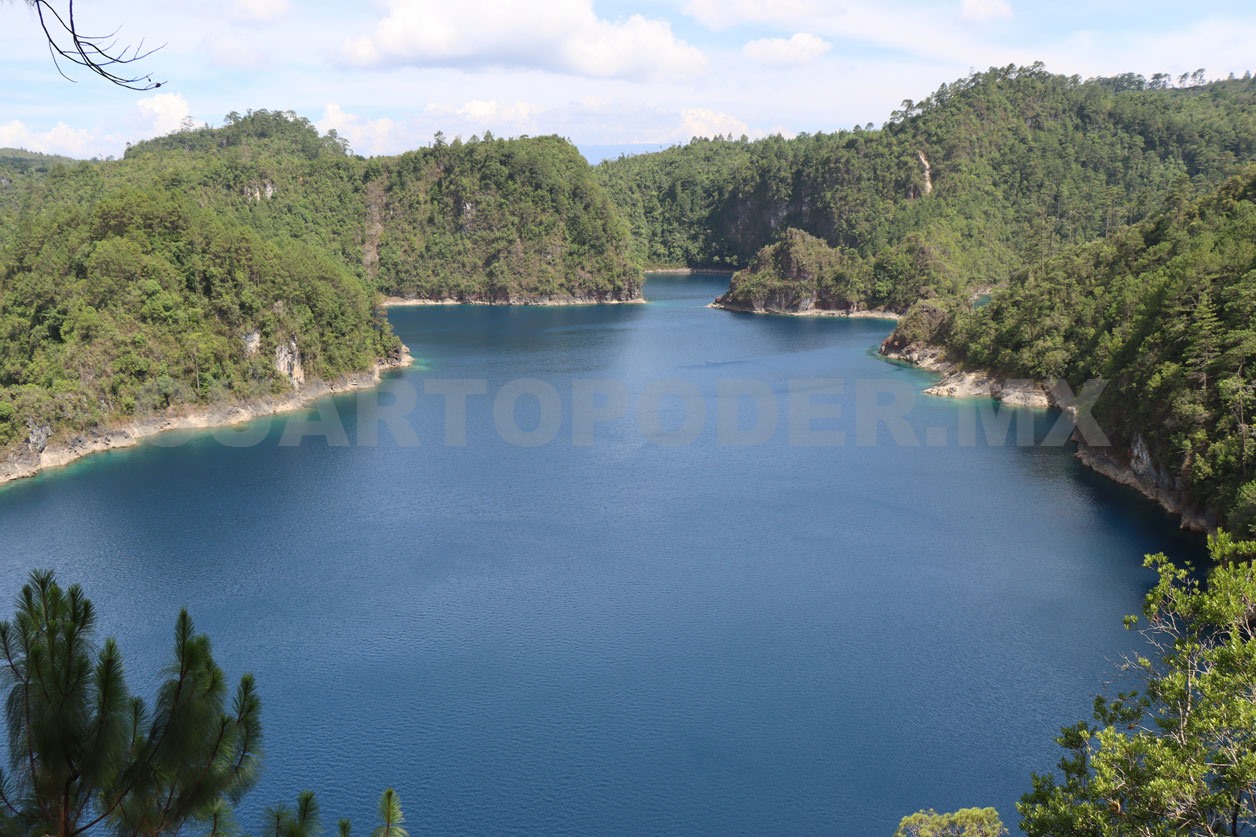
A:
(602, 298)
(1131, 465)
(288, 363)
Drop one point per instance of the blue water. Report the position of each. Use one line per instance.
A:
(644, 624)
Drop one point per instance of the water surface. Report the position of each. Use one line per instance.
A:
(635, 635)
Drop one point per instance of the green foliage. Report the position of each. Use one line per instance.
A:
(121, 298)
(174, 277)
(390, 817)
(85, 756)
(798, 272)
(83, 751)
(1021, 164)
(301, 821)
(1179, 757)
(497, 221)
(966, 822)
(1164, 311)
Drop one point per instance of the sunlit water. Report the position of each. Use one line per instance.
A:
(621, 631)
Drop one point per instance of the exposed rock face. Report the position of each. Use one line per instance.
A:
(1130, 465)
(789, 300)
(252, 343)
(1134, 467)
(960, 383)
(928, 172)
(258, 192)
(37, 440)
(628, 295)
(288, 362)
(376, 192)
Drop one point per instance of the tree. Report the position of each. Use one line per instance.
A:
(391, 818)
(302, 821)
(100, 54)
(966, 822)
(83, 752)
(1179, 757)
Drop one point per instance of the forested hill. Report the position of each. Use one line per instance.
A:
(997, 170)
(1165, 311)
(227, 264)
(490, 220)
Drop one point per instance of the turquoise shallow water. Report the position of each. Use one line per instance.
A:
(629, 602)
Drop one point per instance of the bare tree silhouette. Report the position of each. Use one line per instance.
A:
(101, 54)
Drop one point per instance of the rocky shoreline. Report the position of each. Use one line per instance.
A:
(1132, 467)
(1138, 472)
(58, 453)
(404, 302)
(959, 383)
(684, 271)
(848, 313)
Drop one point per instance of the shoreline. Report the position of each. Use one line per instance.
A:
(127, 435)
(1131, 468)
(861, 314)
(1140, 475)
(959, 383)
(681, 271)
(403, 302)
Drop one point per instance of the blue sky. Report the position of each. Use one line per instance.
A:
(390, 74)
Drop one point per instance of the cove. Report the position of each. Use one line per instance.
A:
(642, 634)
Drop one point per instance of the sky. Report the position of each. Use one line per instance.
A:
(606, 74)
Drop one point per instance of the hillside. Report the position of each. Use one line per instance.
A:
(995, 171)
(487, 220)
(221, 266)
(1164, 311)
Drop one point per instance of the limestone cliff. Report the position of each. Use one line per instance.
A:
(1128, 463)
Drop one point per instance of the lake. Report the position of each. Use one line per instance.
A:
(622, 570)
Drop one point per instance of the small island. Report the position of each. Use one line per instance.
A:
(803, 276)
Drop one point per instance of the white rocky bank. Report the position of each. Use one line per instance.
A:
(1133, 466)
(43, 452)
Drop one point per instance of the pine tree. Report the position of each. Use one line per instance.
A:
(83, 752)
(391, 818)
(1203, 345)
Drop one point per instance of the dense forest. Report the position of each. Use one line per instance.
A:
(1112, 222)
(958, 191)
(1098, 212)
(218, 265)
(1165, 311)
(210, 263)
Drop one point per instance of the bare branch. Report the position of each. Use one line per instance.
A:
(100, 54)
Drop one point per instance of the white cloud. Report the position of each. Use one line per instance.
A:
(233, 52)
(723, 14)
(701, 122)
(492, 111)
(558, 35)
(802, 48)
(164, 111)
(983, 10)
(365, 136)
(60, 139)
(259, 10)
(1220, 46)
